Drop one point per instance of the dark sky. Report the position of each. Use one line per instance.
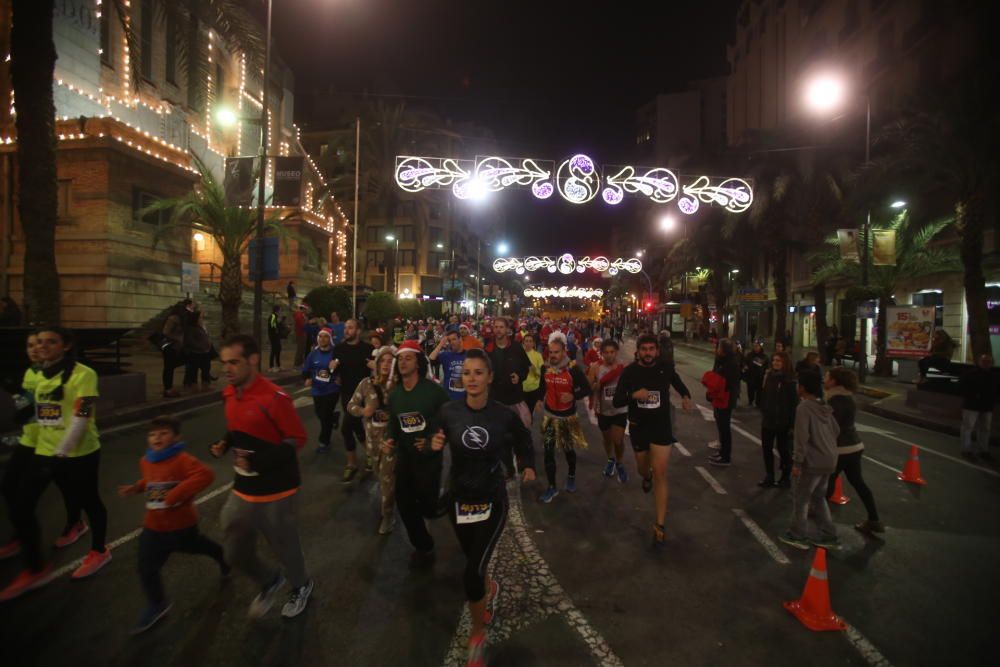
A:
(548, 78)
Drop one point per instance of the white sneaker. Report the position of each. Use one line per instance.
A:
(714, 445)
(297, 600)
(265, 600)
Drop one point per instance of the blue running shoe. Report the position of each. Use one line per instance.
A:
(149, 617)
(622, 474)
(549, 494)
(571, 484)
(609, 469)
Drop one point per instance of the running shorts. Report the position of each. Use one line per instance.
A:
(604, 422)
(644, 435)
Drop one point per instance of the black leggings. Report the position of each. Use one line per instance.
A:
(418, 486)
(550, 462)
(768, 438)
(478, 541)
(155, 548)
(77, 478)
(755, 387)
(532, 398)
(351, 427)
(275, 360)
(14, 476)
(172, 358)
(850, 465)
(325, 407)
(722, 423)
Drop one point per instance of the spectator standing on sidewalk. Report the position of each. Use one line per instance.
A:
(299, 322)
(754, 367)
(274, 338)
(197, 354)
(264, 432)
(979, 397)
(292, 294)
(778, 400)
(172, 345)
(727, 366)
(942, 347)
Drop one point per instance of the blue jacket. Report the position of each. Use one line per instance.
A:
(317, 368)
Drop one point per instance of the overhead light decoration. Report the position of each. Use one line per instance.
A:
(578, 180)
(658, 184)
(566, 264)
(734, 194)
(563, 292)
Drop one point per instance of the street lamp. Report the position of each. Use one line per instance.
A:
(668, 223)
(395, 263)
(638, 253)
(258, 284)
(825, 93)
(503, 248)
(899, 203)
(226, 117)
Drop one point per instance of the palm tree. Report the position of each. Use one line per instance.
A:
(204, 210)
(918, 254)
(33, 57)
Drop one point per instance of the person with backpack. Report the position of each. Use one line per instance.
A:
(723, 383)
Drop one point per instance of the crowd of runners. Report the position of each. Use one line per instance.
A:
(409, 395)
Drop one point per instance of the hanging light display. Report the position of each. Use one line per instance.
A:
(566, 264)
(563, 292)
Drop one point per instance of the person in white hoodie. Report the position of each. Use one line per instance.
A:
(814, 459)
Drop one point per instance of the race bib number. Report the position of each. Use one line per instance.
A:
(156, 495)
(242, 454)
(380, 418)
(472, 512)
(609, 393)
(323, 376)
(49, 414)
(455, 384)
(412, 422)
(652, 401)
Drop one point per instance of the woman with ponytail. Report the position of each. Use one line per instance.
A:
(67, 452)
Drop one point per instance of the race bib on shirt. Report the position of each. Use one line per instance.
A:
(412, 422)
(609, 393)
(49, 414)
(156, 495)
(472, 512)
(323, 375)
(455, 384)
(652, 401)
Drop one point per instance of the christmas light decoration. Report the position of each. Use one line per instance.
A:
(658, 184)
(563, 292)
(577, 179)
(497, 173)
(566, 264)
(733, 194)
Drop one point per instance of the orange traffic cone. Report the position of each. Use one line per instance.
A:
(911, 471)
(838, 497)
(813, 608)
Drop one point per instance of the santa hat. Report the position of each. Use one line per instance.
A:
(409, 346)
(558, 335)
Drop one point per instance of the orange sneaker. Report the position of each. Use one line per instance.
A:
(26, 581)
(491, 603)
(75, 532)
(92, 562)
(10, 549)
(477, 651)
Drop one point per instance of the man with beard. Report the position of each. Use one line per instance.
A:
(350, 362)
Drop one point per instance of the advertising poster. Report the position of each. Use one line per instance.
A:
(287, 181)
(908, 331)
(847, 239)
(884, 247)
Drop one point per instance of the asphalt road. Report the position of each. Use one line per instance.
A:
(581, 585)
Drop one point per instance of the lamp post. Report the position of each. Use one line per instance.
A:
(823, 94)
(258, 284)
(395, 263)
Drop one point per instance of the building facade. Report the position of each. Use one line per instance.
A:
(133, 123)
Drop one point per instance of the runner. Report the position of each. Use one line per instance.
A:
(351, 357)
(644, 387)
(511, 365)
(533, 392)
(68, 452)
(414, 404)
(476, 432)
(611, 420)
(370, 402)
(564, 384)
(265, 433)
(318, 373)
(451, 354)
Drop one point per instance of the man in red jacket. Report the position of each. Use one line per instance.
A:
(264, 434)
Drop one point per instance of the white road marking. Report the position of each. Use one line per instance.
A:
(706, 414)
(302, 401)
(890, 435)
(747, 434)
(682, 449)
(128, 537)
(879, 463)
(765, 541)
(867, 650)
(712, 482)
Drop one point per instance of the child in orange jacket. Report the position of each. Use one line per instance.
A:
(170, 478)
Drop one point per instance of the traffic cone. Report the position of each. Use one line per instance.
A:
(911, 471)
(838, 497)
(813, 608)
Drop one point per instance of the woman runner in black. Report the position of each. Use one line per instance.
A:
(478, 431)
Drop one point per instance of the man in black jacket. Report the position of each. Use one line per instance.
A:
(979, 397)
(510, 368)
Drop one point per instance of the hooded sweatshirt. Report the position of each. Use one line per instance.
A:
(816, 434)
(171, 478)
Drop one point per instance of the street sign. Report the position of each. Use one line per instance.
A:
(270, 258)
(752, 294)
(288, 181)
(189, 278)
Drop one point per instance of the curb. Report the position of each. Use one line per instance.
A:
(148, 410)
(910, 420)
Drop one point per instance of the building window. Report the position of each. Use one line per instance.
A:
(436, 211)
(142, 199)
(407, 258)
(406, 234)
(376, 258)
(436, 261)
(373, 234)
(437, 236)
(105, 27)
(64, 199)
(324, 148)
(146, 17)
(171, 48)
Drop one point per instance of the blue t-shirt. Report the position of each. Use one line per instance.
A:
(338, 332)
(451, 369)
(317, 369)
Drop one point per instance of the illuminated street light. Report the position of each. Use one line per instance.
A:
(899, 203)
(390, 237)
(668, 223)
(226, 117)
(825, 93)
(638, 253)
(503, 248)
(439, 246)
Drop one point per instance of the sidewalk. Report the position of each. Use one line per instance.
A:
(888, 398)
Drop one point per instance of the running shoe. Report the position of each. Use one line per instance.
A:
(322, 449)
(622, 474)
(26, 581)
(767, 482)
(72, 534)
(825, 542)
(714, 445)
(265, 599)
(150, 617)
(92, 562)
(718, 461)
(659, 535)
(792, 541)
(647, 483)
(549, 494)
(609, 468)
(387, 524)
(491, 603)
(350, 472)
(784, 483)
(869, 527)
(477, 651)
(571, 484)
(297, 600)
(10, 549)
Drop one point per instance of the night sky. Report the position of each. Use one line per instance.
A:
(548, 78)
